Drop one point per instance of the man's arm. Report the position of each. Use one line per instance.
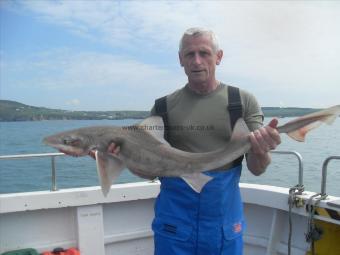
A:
(262, 141)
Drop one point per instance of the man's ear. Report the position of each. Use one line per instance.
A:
(219, 56)
(180, 58)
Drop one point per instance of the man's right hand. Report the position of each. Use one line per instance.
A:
(113, 149)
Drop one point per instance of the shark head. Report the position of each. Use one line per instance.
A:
(70, 143)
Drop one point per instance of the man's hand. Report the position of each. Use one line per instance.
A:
(112, 149)
(265, 138)
(262, 141)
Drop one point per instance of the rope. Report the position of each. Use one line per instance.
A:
(296, 190)
(313, 232)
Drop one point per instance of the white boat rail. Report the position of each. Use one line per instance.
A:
(300, 161)
(58, 154)
(324, 173)
(40, 155)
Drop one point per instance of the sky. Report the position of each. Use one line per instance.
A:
(122, 55)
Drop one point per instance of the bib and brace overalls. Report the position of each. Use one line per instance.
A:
(206, 223)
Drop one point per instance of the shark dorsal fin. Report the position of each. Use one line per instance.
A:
(240, 129)
(154, 125)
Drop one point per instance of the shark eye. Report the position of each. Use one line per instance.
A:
(66, 141)
(71, 142)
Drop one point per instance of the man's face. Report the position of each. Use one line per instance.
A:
(199, 59)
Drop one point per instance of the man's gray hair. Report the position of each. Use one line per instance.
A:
(199, 31)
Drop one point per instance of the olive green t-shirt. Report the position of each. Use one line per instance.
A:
(201, 123)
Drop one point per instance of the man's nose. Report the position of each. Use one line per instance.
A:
(197, 59)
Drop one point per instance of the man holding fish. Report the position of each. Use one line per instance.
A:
(210, 222)
(203, 126)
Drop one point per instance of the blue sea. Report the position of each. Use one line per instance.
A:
(35, 174)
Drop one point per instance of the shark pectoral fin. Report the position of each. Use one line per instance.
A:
(108, 169)
(240, 129)
(196, 180)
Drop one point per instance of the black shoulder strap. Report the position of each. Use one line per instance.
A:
(234, 105)
(235, 112)
(162, 111)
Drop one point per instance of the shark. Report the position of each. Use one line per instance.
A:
(145, 152)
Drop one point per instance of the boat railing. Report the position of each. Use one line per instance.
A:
(324, 173)
(300, 162)
(54, 169)
(40, 155)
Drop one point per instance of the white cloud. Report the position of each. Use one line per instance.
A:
(73, 102)
(64, 68)
(261, 21)
(94, 73)
(270, 46)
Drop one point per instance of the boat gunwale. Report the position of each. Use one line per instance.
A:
(255, 194)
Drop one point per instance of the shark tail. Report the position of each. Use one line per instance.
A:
(326, 116)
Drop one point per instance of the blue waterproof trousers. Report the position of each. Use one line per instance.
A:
(206, 223)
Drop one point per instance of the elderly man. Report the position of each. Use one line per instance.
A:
(200, 118)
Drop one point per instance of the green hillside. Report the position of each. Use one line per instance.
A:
(287, 111)
(14, 111)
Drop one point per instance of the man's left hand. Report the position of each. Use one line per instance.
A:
(265, 138)
(262, 141)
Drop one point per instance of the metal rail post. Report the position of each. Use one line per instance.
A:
(53, 175)
(324, 174)
(40, 155)
(299, 157)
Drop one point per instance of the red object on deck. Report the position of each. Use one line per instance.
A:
(59, 251)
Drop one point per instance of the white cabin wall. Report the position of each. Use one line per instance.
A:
(122, 221)
(127, 227)
(143, 246)
(41, 229)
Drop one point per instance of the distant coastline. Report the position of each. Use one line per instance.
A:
(15, 111)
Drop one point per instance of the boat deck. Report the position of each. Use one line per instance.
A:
(120, 223)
